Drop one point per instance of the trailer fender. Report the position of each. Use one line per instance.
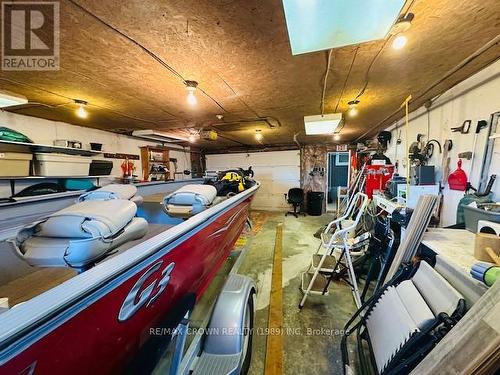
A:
(225, 332)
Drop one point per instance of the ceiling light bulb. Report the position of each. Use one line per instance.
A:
(399, 41)
(81, 111)
(353, 108)
(192, 138)
(258, 135)
(191, 98)
(336, 137)
(191, 88)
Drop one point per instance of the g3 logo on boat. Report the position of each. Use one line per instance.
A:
(135, 300)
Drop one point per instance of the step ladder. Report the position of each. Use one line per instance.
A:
(337, 252)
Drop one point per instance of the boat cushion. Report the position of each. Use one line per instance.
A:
(111, 191)
(88, 219)
(192, 194)
(189, 200)
(77, 252)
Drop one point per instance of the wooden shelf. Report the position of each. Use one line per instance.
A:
(7, 146)
(147, 162)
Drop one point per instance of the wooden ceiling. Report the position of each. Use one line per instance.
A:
(239, 53)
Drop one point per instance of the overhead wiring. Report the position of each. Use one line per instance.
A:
(71, 101)
(372, 63)
(491, 43)
(367, 74)
(38, 104)
(323, 94)
(238, 96)
(229, 138)
(149, 52)
(146, 50)
(347, 77)
(212, 98)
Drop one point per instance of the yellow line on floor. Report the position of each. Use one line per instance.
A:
(274, 347)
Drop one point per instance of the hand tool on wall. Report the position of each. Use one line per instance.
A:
(465, 155)
(488, 152)
(486, 191)
(481, 124)
(464, 128)
(445, 163)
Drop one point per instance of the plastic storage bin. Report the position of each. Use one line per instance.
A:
(473, 215)
(61, 165)
(15, 164)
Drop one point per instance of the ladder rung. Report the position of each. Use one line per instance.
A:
(318, 285)
(328, 264)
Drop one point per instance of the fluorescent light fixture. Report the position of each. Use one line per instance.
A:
(322, 124)
(155, 135)
(9, 99)
(315, 25)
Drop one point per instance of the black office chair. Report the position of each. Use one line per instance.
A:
(295, 197)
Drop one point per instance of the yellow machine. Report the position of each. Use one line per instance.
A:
(234, 178)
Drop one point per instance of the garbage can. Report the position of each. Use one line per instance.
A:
(315, 202)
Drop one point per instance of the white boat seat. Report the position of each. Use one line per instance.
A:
(189, 200)
(81, 234)
(113, 191)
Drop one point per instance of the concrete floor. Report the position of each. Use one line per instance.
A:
(312, 337)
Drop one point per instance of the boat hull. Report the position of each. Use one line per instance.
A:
(129, 316)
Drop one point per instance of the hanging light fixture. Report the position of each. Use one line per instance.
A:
(398, 30)
(336, 137)
(192, 138)
(81, 111)
(353, 108)
(191, 88)
(258, 135)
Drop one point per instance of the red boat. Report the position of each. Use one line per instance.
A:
(97, 317)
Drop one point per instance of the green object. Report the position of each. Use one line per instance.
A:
(465, 201)
(492, 275)
(11, 135)
(77, 184)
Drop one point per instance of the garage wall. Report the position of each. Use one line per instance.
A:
(473, 99)
(277, 171)
(46, 131)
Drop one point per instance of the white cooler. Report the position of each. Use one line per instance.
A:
(15, 164)
(61, 165)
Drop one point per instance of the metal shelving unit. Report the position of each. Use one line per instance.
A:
(8, 146)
